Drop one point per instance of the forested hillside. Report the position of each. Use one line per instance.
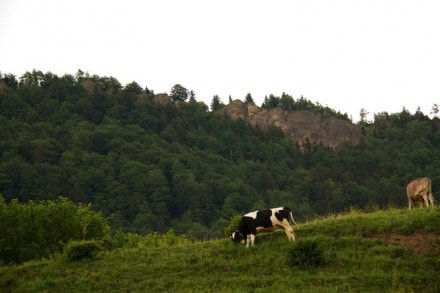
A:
(152, 166)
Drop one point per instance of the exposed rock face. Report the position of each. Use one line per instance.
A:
(301, 126)
(162, 99)
(90, 87)
(2, 85)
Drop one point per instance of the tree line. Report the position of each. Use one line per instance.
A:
(150, 167)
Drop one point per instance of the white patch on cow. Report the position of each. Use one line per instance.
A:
(252, 215)
(273, 218)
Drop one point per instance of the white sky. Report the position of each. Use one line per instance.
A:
(381, 55)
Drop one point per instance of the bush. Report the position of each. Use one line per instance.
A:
(306, 254)
(233, 224)
(35, 230)
(85, 249)
(121, 239)
(164, 240)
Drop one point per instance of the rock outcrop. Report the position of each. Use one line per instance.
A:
(91, 87)
(162, 99)
(302, 127)
(3, 85)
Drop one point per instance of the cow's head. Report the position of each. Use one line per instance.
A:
(236, 236)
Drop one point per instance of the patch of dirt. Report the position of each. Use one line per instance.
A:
(419, 242)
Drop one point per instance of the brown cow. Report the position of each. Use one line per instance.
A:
(419, 189)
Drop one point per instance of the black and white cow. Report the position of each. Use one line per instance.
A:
(264, 221)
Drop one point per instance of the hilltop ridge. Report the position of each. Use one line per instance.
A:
(302, 127)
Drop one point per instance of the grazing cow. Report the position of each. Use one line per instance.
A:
(419, 189)
(264, 221)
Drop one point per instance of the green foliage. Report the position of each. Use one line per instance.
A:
(124, 240)
(37, 230)
(121, 239)
(305, 254)
(178, 93)
(167, 239)
(233, 224)
(10, 80)
(216, 103)
(133, 87)
(287, 102)
(84, 249)
(248, 99)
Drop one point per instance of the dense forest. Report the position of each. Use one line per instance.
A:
(150, 166)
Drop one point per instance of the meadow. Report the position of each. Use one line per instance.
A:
(393, 250)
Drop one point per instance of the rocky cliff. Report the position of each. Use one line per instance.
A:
(301, 127)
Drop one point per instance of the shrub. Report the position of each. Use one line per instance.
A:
(233, 224)
(122, 239)
(163, 240)
(84, 249)
(35, 230)
(305, 254)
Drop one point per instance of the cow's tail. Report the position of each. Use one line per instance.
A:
(291, 218)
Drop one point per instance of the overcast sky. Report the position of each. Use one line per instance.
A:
(380, 55)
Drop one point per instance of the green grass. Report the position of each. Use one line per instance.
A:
(356, 260)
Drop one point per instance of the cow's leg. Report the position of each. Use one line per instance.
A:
(425, 198)
(289, 233)
(293, 235)
(410, 204)
(252, 239)
(248, 240)
(288, 230)
(431, 199)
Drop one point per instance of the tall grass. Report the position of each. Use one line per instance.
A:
(354, 261)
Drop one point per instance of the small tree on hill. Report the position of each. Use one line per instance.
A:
(363, 115)
(249, 99)
(178, 93)
(435, 110)
(133, 87)
(216, 103)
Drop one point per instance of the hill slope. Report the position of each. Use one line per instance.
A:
(360, 251)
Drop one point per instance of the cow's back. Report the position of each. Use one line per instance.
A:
(415, 188)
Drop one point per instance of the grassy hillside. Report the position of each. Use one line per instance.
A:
(393, 250)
